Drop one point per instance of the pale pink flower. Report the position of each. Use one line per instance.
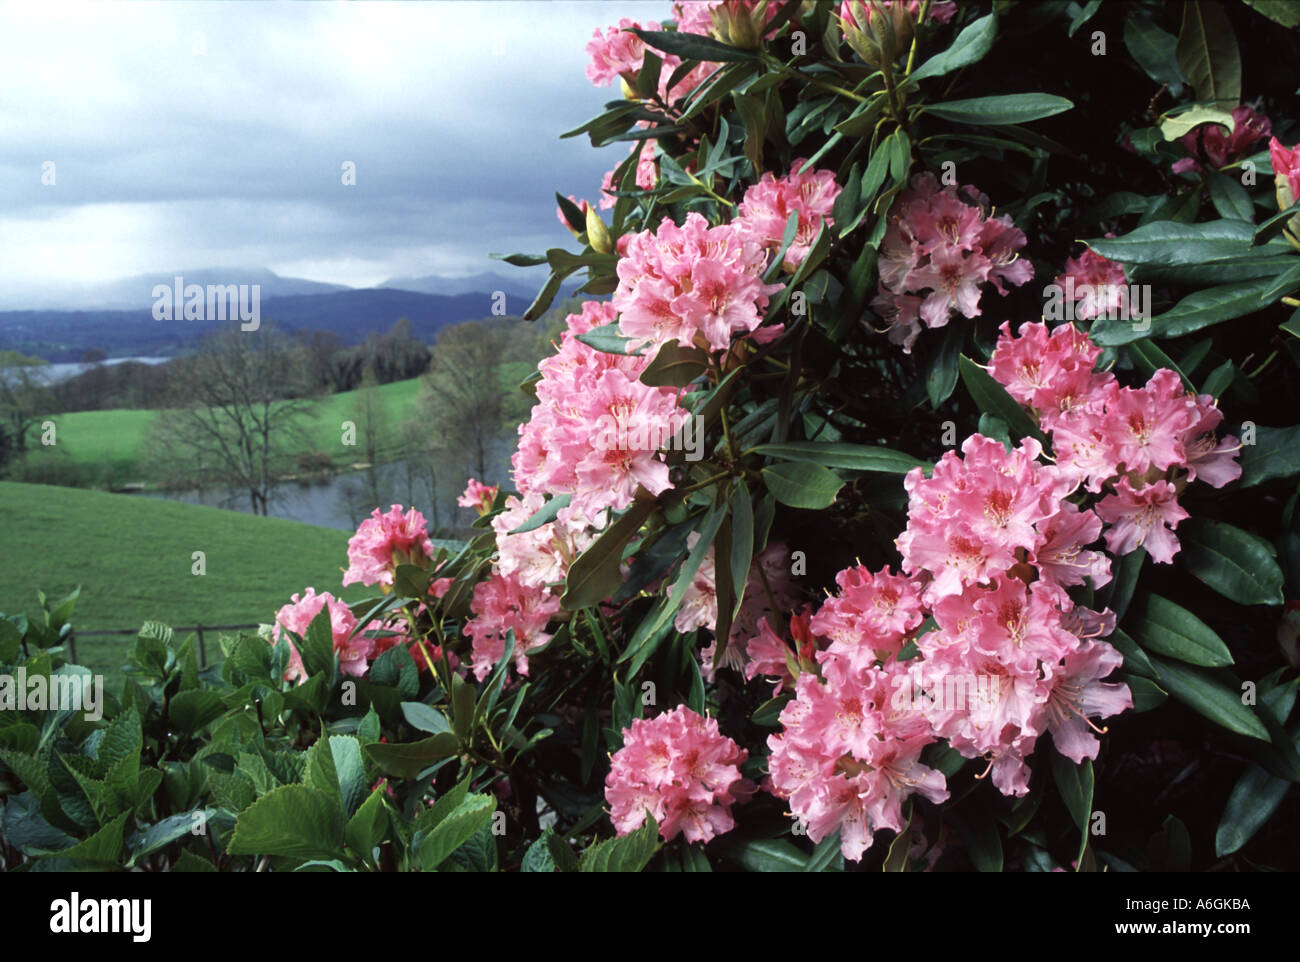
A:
(384, 541)
(354, 649)
(478, 496)
(1142, 519)
(502, 604)
(681, 769)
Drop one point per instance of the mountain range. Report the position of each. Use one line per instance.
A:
(118, 317)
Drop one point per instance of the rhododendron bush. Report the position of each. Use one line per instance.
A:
(914, 487)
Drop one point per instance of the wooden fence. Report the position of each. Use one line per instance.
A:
(118, 632)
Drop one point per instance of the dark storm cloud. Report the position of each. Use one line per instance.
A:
(214, 134)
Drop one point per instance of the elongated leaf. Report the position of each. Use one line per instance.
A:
(1230, 199)
(999, 110)
(971, 45)
(1275, 454)
(1146, 693)
(455, 830)
(1170, 243)
(1135, 659)
(545, 514)
(1254, 799)
(1203, 693)
(1075, 783)
(1154, 50)
(802, 484)
(594, 574)
(408, 760)
(691, 46)
(941, 379)
(1284, 12)
(1274, 225)
(769, 855)
(1207, 52)
(851, 457)
(368, 826)
(1238, 565)
(1195, 311)
(1166, 628)
(675, 366)
(425, 718)
(1180, 124)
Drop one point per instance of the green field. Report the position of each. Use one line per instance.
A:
(109, 447)
(133, 559)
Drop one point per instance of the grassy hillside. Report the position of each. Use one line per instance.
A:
(133, 558)
(109, 446)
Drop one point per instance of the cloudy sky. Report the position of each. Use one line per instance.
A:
(214, 134)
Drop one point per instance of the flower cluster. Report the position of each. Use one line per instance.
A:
(384, 541)
(937, 252)
(679, 767)
(693, 284)
(1142, 443)
(596, 430)
(810, 194)
(503, 604)
(355, 650)
(1096, 286)
(847, 756)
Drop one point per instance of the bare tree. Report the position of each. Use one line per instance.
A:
(462, 395)
(237, 412)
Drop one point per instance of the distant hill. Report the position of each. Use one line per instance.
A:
(137, 291)
(352, 314)
(525, 285)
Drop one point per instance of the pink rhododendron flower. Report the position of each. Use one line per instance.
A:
(1286, 164)
(596, 432)
(384, 541)
(1052, 374)
(1144, 518)
(968, 521)
(1207, 457)
(936, 254)
(354, 649)
(1142, 441)
(1077, 693)
(478, 496)
(680, 768)
(867, 619)
(618, 53)
(692, 284)
(501, 604)
(846, 761)
(768, 204)
(1097, 286)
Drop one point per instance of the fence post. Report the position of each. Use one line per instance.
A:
(203, 655)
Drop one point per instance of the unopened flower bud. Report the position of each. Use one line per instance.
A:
(740, 24)
(597, 233)
(877, 30)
